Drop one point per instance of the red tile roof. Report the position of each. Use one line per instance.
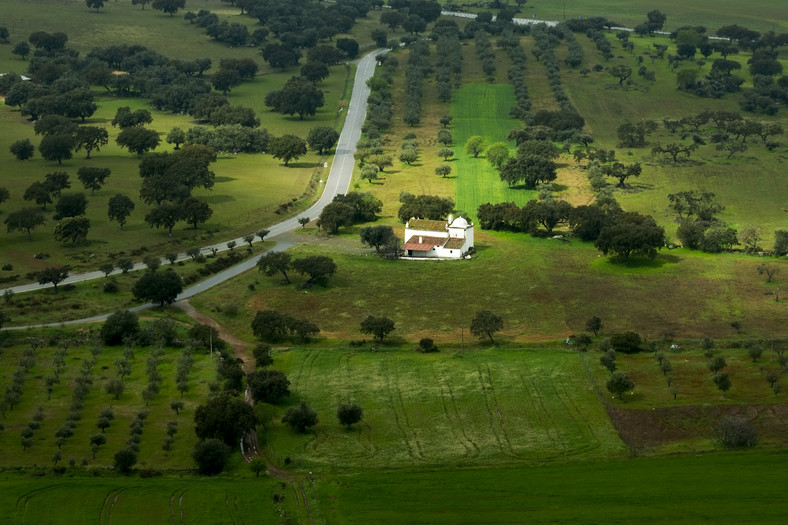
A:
(426, 244)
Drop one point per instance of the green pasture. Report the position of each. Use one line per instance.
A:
(544, 289)
(123, 22)
(750, 185)
(245, 197)
(106, 498)
(761, 16)
(130, 403)
(486, 408)
(88, 298)
(721, 488)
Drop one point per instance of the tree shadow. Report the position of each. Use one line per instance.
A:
(223, 179)
(637, 263)
(303, 165)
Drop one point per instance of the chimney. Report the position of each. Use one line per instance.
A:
(420, 240)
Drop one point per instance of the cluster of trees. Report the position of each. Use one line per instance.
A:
(317, 267)
(533, 163)
(611, 229)
(167, 182)
(298, 96)
(233, 138)
(545, 41)
(412, 15)
(448, 62)
(511, 45)
(430, 207)
(349, 209)
(486, 54)
(270, 325)
(418, 68)
(379, 100)
(730, 133)
(601, 42)
(574, 56)
(234, 34)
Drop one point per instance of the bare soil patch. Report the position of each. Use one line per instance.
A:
(642, 428)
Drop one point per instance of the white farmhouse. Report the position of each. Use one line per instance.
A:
(449, 239)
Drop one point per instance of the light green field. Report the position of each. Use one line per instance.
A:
(112, 499)
(731, 488)
(490, 407)
(482, 109)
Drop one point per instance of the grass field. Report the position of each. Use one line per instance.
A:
(490, 407)
(544, 290)
(765, 15)
(107, 499)
(734, 488)
(248, 188)
(481, 109)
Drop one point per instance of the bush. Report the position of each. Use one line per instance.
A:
(110, 287)
(211, 456)
(125, 460)
(736, 432)
(427, 345)
(119, 325)
(626, 342)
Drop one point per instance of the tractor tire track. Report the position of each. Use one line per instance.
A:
(536, 410)
(227, 507)
(490, 393)
(540, 415)
(27, 496)
(397, 422)
(405, 412)
(305, 501)
(452, 428)
(180, 506)
(580, 418)
(500, 414)
(473, 451)
(112, 506)
(489, 412)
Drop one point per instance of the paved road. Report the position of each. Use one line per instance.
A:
(338, 181)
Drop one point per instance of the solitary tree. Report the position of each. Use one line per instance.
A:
(379, 327)
(287, 148)
(258, 466)
(22, 149)
(377, 236)
(160, 287)
(138, 140)
(119, 208)
(54, 275)
(275, 262)
(300, 418)
(474, 145)
(317, 267)
(168, 6)
(211, 455)
(619, 382)
(594, 324)
(26, 219)
(723, 382)
(349, 414)
(93, 178)
(486, 323)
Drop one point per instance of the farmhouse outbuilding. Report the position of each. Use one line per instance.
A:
(449, 239)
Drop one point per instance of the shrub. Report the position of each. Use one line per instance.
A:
(211, 456)
(427, 345)
(119, 325)
(626, 342)
(736, 432)
(110, 287)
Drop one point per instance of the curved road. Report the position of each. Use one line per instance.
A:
(338, 182)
